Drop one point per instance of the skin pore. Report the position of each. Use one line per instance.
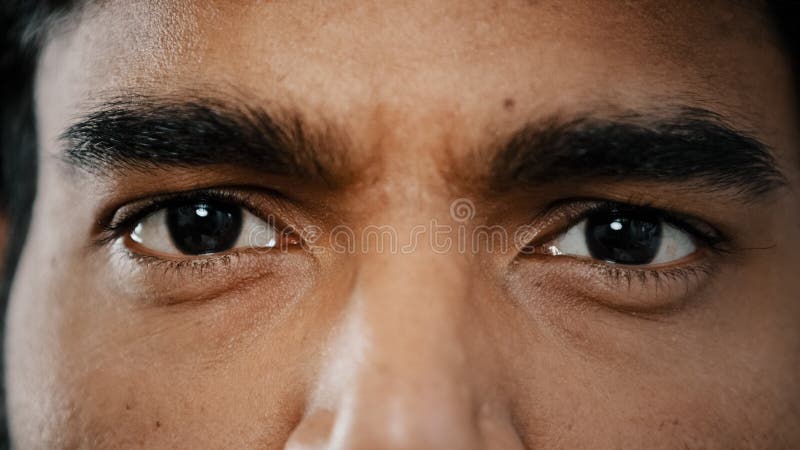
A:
(389, 114)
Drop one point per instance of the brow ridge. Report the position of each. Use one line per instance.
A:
(140, 132)
(694, 147)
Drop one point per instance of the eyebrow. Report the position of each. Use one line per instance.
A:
(693, 147)
(138, 132)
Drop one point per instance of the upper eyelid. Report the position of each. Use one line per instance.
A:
(681, 221)
(575, 210)
(153, 204)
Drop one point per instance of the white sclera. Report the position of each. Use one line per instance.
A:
(675, 243)
(152, 233)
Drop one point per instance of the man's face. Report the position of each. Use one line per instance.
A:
(450, 224)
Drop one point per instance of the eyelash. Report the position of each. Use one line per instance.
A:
(197, 267)
(710, 237)
(116, 227)
(573, 211)
(152, 205)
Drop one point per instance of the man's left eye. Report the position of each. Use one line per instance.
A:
(202, 227)
(625, 237)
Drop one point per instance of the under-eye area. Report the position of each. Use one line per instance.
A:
(630, 257)
(199, 243)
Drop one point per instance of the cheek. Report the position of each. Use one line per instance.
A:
(89, 369)
(115, 379)
(239, 403)
(712, 375)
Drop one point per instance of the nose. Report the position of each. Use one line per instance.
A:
(405, 369)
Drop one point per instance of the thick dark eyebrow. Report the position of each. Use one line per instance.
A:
(693, 148)
(138, 132)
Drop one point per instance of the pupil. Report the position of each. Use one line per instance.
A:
(204, 227)
(623, 238)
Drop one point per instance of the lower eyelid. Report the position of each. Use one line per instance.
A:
(160, 280)
(619, 287)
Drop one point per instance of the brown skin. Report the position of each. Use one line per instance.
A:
(426, 349)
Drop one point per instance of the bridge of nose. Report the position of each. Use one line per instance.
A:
(398, 372)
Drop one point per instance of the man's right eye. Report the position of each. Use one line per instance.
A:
(201, 227)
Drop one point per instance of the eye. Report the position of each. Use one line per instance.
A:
(202, 227)
(625, 237)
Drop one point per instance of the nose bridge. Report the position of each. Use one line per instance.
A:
(412, 381)
(413, 307)
(397, 374)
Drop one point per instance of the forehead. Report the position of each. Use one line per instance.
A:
(425, 62)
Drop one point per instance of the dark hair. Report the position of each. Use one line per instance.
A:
(24, 23)
(785, 15)
(24, 27)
